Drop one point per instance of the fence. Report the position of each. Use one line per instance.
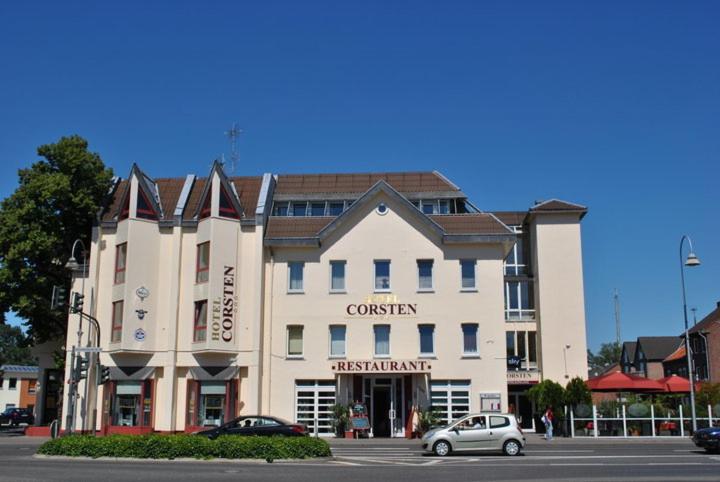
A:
(624, 424)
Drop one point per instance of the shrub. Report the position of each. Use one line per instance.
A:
(177, 446)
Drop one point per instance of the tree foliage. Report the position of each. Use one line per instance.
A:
(14, 347)
(548, 394)
(577, 392)
(55, 203)
(607, 355)
(709, 394)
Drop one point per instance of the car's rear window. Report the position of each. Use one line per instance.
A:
(497, 422)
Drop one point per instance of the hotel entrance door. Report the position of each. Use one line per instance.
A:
(385, 400)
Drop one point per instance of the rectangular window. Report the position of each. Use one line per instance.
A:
(336, 209)
(337, 341)
(202, 265)
(12, 385)
(295, 274)
(444, 207)
(117, 321)
(295, 341)
(299, 209)
(317, 209)
(337, 275)
(382, 275)
(427, 336)
(120, 262)
(280, 209)
(450, 399)
(470, 341)
(425, 274)
(510, 343)
(32, 387)
(382, 340)
(467, 272)
(429, 207)
(212, 403)
(521, 348)
(314, 400)
(200, 326)
(132, 404)
(532, 348)
(519, 303)
(515, 264)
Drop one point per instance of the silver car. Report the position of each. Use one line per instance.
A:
(475, 432)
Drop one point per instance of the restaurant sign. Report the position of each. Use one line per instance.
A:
(381, 366)
(522, 377)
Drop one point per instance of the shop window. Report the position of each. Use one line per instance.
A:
(337, 276)
(295, 341)
(382, 275)
(120, 262)
(314, 400)
(467, 274)
(470, 338)
(427, 340)
(382, 340)
(212, 403)
(203, 263)
(132, 403)
(295, 276)
(227, 208)
(144, 207)
(425, 274)
(200, 324)
(117, 321)
(337, 341)
(450, 399)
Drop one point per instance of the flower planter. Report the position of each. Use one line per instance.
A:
(349, 434)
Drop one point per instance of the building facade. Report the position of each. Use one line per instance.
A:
(287, 294)
(18, 386)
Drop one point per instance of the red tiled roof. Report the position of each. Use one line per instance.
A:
(472, 224)
(359, 183)
(557, 205)
(290, 227)
(248, 189)
(111, 211)
(511, 218)
(169, 189)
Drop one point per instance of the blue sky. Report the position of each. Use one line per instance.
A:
(610, 104)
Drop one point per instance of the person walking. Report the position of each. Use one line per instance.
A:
(547, 419)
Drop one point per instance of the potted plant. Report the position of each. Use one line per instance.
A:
(340, 419)
(427, 419)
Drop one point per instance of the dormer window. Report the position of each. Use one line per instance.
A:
(144, 207)
(227, 209)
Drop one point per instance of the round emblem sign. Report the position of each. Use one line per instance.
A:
(142, 292)
(140, 334)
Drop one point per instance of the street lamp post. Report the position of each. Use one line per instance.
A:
(691, 260)
(73, 265)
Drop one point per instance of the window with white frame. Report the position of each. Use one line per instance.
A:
(295, 341)
(337, 341)
(314, 400)
(427, 339)
(337, 276)
(382, 340)
(470, 338)
(515, 264)
(522, 344)
(425, 274)
(450, 399)
(382, 275)
(295, 276)
(467, 274)
(519, 302)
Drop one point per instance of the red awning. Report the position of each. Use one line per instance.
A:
(676, 384)
(622, 382)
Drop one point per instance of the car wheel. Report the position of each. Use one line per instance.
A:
(511, 447)
(441, 448)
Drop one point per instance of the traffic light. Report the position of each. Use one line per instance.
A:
(103, 374)
(81, 368)
(77, 302)
(59, 297)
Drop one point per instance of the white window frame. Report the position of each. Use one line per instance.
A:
(421, 353)
(287, 342)
(446, 396)
(344, 288)
(471, 354)
(330, 353)
(526, 365)
(519, 313)
(518, 269)
(432, 275)
(389, 353)
(302, 277)
(321, 412)
(374, 277)
(474, 287)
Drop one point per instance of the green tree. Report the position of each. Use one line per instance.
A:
(56, 202)
(548, 393)
(607, 355)
(14, 347)
(577, 392)
(709, 394)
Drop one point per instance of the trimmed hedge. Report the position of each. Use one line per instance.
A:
(187, 446)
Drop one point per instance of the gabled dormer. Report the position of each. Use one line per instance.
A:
(219, 197)
(140, 199)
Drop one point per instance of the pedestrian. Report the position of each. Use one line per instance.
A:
(547, 419)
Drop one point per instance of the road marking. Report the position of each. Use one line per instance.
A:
(342, 462)
(557, 451)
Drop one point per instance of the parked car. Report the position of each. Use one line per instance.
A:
(16, 416)
(256, 425)
(708, 438)
(476, 432)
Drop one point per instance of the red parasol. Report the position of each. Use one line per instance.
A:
(622, 382)
(676, 384)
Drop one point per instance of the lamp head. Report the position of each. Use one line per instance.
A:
(692, 260)
(72, 264)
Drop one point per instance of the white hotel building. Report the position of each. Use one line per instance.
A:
(284, 294)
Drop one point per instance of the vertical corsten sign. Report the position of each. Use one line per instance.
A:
(224, 308)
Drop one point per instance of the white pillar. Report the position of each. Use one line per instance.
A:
(710, 422)
(624, 422)
(595, 425)
(652, 419)
(572, 423)
(682, 424)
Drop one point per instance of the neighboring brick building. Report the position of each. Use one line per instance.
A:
(651, 351)
(17, 386)
(705, 346)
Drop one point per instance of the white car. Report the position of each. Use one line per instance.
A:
(476, 432)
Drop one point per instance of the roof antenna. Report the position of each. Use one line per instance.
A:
(616, 297)
(233, 134)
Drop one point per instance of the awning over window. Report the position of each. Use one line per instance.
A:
(131, 373)
(214, 372)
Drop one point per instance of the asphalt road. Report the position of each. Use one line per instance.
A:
(562, 459)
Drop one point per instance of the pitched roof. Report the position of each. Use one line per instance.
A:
(299, 227)
(629, 347)
(712, 319)
(19, 368)
(113, 207)
(248, 189)
(511, 218)
(473, 223)
(678, 354)
(169, 189)
(557, 205)
(657, 348)
(405, 182)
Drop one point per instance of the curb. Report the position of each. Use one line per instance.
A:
(180, 459)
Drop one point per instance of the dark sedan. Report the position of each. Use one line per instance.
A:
(708, 438)
(16, 416)
(256, 425)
